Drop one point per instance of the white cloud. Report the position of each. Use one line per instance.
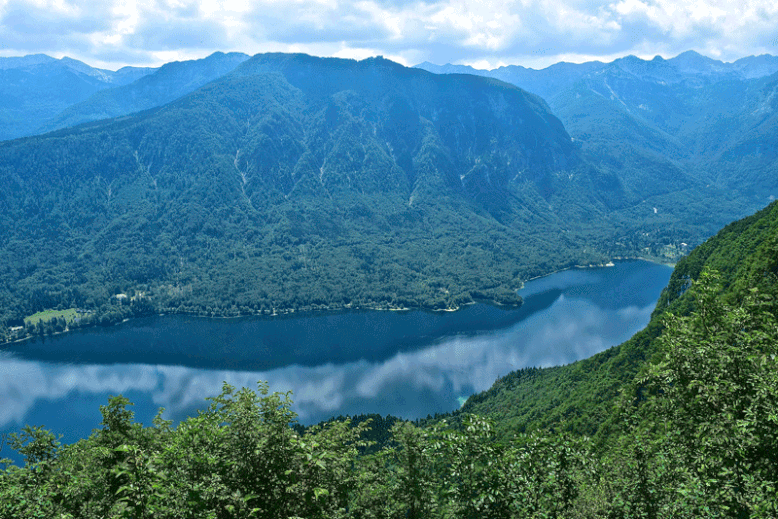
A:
(488, 32)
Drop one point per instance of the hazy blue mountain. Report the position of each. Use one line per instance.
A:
(41, 93)
(165, 84)
(690, 67)
(687, 114)
(35, 88)
(32, 62)
(117, 78)
(546, 82)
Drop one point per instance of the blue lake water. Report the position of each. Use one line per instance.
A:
(408, 364)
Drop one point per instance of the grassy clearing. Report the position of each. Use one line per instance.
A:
(47, 315)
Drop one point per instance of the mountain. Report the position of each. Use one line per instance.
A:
(546, 82)
(654, 123)
(686, 115)
(297, 183)
(160, 87)
(690, 433)
(35, 88)
(41, 62)
(689, 67)
(42, 93)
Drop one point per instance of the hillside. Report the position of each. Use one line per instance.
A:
(654, 123)
(299, 183)
(34, 89)
(580, 397)
(166, 84)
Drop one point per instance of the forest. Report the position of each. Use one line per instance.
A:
(296, 183)
(691, 432)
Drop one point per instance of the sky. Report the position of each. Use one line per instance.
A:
(482, 33)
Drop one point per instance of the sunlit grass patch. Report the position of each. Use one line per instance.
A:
(69, 315)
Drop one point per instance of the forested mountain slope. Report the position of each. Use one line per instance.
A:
(580, 397)
(299, 183)
(653, 121)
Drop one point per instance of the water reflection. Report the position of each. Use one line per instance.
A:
(563, 320)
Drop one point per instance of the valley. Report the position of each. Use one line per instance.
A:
(299, 195)
(408, 364)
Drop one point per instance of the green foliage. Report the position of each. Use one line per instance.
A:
(581, 397)
(716, 387)
(695, 437)
(693, 434)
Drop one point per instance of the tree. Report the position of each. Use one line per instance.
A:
(716, 388)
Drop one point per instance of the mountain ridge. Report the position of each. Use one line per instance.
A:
(163, 85)
(369, 186)
(688, 116)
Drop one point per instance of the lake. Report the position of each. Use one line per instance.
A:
(408, 364)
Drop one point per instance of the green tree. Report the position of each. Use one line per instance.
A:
(716, 388)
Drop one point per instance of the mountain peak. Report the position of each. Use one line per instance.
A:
(30, 60)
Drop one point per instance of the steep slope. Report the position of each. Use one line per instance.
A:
(35, 88)
(299, 183)
(748, 158)
(580, 396)
(663, 125)
(689, 114)
(166, 84)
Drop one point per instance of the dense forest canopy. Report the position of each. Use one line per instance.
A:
(380, 186)
(580, 397)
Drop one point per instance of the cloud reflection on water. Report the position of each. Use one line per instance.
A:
(409, 384)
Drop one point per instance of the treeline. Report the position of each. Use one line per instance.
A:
(694, 437)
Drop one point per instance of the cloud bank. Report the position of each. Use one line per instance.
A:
(536, 33)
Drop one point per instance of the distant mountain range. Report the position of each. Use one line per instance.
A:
(36, 88)
(235, 185)
(39, 93)
(159, 87)
(689, 67)
(686, 116)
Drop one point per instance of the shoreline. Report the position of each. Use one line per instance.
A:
(344, 309)
(609, 264)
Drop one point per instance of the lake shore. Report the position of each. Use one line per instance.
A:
(292, 312)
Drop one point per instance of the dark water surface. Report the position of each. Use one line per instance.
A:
(408, 364)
